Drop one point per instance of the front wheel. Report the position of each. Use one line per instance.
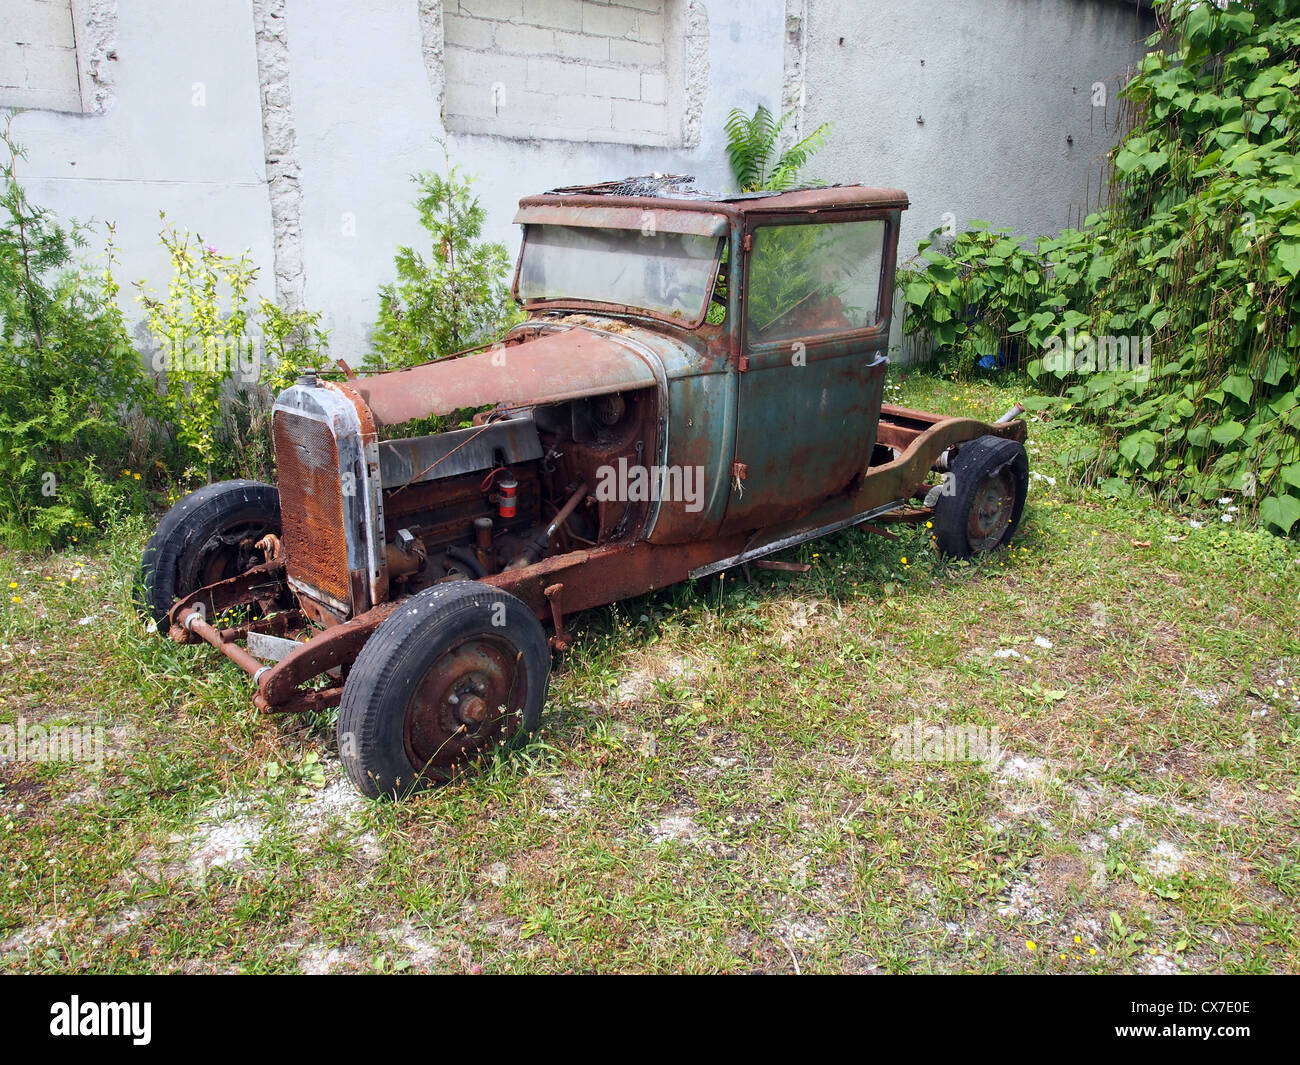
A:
(456, 671)
(981, 502)
(210, 535)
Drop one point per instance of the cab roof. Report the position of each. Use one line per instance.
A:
(679, 192)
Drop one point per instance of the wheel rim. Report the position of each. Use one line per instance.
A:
(991, 510)
(468, 702)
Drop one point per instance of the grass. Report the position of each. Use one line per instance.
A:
(715, 787)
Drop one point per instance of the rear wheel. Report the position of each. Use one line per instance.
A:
(982, 501)
(458, 670)
(208, 536)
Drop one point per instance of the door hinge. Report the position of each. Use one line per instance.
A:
(748, 242)
(742, 363)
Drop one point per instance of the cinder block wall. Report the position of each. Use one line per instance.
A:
(558, 69)
(38, 55)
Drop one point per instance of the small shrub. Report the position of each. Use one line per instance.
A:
(455, 298)
(74, 397)
(294, 342)
(201, 327)
(222, 361)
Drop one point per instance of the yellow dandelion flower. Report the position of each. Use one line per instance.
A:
(1030, 945)
(13, 584)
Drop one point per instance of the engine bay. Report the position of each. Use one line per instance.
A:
(513, 488)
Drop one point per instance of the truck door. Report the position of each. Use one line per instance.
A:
(816, 302)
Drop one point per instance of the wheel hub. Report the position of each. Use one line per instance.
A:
(469, 701)
(228, 553)
(471, 711)
(990, 510)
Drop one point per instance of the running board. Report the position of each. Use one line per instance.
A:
(751, 553)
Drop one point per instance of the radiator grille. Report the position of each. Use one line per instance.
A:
(311, 504)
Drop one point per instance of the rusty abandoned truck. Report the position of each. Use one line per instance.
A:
(697, 384)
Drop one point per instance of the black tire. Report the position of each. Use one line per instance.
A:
(206, 537)
(984, 497)
(398, 730)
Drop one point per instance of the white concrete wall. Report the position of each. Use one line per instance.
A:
(979, 109)
(352, 100)
(184, 136)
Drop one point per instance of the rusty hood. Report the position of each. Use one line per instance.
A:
(546, 369)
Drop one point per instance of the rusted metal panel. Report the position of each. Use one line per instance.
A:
(311, 505)
(803, 434)
(548, 369)
(693, 223)
(824, 198)
(431, 458)
(607, 574)
(701, 435)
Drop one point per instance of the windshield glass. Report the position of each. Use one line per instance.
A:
(666, 273)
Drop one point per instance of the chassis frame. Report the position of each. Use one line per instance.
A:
(892, 492)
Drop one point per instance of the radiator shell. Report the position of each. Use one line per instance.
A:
(329, 498)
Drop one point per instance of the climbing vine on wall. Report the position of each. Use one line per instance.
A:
(1170, 317)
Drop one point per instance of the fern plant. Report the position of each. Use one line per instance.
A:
(752, 150)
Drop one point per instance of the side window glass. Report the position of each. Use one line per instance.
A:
(810, 279)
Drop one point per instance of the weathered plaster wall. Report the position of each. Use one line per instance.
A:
(291, 127)
(280, 143)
